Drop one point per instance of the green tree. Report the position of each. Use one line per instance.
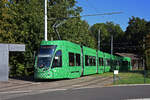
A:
(135, 33)
(147, 46)
(106, 30)
(23, 22)
(27, 28)
(60, 11)
(6, 22)
(71, 29)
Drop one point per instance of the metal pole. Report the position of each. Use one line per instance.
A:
(98, 49)
(111, 44)
(112, 51)
(99, 39)
(45, 36)
(144, 61)
(114, 76)
(144, 70)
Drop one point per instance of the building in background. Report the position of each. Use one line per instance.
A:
(136, 61)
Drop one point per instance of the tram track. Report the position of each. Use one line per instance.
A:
(96, 82)
(74, 83)
(92, 83)
(81, 83)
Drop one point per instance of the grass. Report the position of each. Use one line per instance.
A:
(135, 77)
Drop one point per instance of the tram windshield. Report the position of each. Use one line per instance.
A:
(45, 55)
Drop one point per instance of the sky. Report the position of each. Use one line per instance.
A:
(137, 8)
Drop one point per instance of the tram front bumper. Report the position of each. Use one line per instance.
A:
(43, 75)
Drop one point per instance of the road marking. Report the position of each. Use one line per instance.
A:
(16, 92)
(48, 90)
(35, 83)
(139, 99)
(132, 85)
(87, 87)
(76, 85)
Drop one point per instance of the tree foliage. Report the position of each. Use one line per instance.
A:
(137, 37)
(6, 22)
(135, 33)
(22, 21)
(147, 45)
(106, 30)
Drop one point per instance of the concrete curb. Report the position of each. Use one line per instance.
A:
(132, 85)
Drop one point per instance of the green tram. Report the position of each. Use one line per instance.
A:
(64, 59)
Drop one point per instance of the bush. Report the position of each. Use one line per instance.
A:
(20, 69)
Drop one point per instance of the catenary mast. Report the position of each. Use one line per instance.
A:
(45, 35)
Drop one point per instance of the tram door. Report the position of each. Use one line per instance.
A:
(57, 65)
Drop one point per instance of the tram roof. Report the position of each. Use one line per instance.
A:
(59, 42)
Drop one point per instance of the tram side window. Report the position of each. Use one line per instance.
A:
(100, 61)
(57, 62)
(71, 59)
(107, 62)
(94, 61)
(77, 59)
(125, 63)
(86, 60)
(91, 62)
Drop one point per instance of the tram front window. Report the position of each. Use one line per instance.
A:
(45, 55)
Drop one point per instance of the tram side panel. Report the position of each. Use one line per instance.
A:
(125, 64)
(73, 60)
(107, 59)
(100, 60)
(90, 62)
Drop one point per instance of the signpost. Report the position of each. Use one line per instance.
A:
(4, 58)
(114, 76)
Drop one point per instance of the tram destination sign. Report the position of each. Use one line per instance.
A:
(16, 47)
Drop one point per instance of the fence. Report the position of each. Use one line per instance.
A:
(132, 77)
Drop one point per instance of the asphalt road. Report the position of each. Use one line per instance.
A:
(104, 93)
